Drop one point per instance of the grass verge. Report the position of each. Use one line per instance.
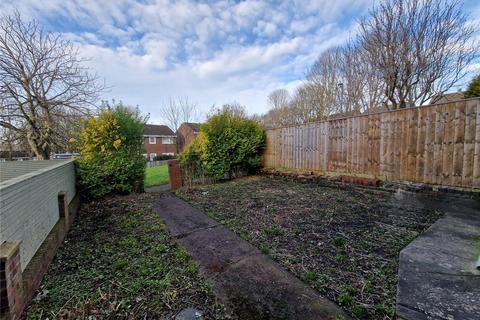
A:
(118, 261)
(156, 175)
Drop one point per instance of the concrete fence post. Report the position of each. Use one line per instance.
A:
(11, 282)
(174, 175)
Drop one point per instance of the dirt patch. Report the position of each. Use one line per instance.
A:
(118, 261)
(343, 241)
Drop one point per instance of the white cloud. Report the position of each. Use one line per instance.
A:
(214, 52)
(237, 59)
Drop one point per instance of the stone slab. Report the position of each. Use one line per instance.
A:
(250, 283)
(180, 217)
(438, 278)
(258, 288)
(158, 188)
(216, 248)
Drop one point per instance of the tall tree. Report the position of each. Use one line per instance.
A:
(473, 89)
(179, 110)
(326, 82)
(42, 80)
(279, 98)
(420, 48)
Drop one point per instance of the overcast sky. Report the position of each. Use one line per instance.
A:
(214, 52)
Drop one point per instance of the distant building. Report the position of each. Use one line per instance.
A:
(186, 133)
(159, 140)
(447, 97)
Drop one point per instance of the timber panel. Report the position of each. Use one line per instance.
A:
(435, 144)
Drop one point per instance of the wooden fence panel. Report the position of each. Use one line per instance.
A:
(476, 156)
(436, 144)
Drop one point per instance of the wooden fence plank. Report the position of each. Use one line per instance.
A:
(476, 158)
(458, 143)
(429, 145)
(412, 133)
(420, 148)
(437, 144)
(447, 157)
(469, 142)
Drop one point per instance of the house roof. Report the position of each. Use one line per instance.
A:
(194, 126)
(447, 97)
(157, 130)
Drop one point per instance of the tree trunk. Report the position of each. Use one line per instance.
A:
(40, 152)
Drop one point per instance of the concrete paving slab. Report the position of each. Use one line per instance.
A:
(216, 248)
(438, 296)
(180, 217)
(258, 288)
(438, 278)
(250, 283)
(158, 188)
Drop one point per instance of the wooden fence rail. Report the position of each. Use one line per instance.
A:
(435, 144)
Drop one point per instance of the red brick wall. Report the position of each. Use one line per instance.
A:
(11, 283)
(185, 136)
(174, 174)
(160, 148)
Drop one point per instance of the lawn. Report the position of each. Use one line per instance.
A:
(342, 240)
(156, 176)
(118, 262)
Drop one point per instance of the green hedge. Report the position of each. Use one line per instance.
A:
(229, 145)
(112, 148)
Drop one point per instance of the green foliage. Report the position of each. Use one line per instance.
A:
(229, 144)
(156, 176)
(309, 276)
(274, 231)
(339, 241)
(111, 147)
(473, 88)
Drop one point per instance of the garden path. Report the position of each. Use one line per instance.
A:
(249, 282)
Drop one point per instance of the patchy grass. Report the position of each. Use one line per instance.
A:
(343, 241)
(156, 175)
(118, 261)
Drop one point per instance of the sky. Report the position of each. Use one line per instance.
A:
(214, 52)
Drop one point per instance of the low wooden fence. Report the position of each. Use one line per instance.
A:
(156, 163)
(435, 144)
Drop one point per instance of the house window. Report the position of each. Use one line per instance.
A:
(152, 140)
(168, 154)
(167, 140)
(152, 155)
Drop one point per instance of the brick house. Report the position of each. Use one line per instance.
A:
(186, 133)
(159, 140)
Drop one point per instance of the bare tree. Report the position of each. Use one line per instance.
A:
(279, 102)
(278, 98)
(325, 82)
(10, 140)
(234, 108)
(179, 110)
(343, 82)
(420, 48)
(42, 80)
(361, 85)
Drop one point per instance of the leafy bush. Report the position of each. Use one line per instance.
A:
(229, 145)
(473, 88)
(111, 147)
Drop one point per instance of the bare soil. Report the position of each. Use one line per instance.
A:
(342, 240)
(119, 262)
